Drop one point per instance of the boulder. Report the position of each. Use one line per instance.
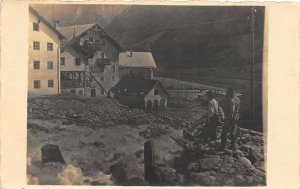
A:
(228, 152)
(260, 165)
(166, 175)
(254, 156)
(246, 148)
(238, 153)
(246, 162)
(209, 163)
(197, 177)
(209, 181)
(128, 172)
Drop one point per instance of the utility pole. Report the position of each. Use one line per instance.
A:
(177, 84)
(253, 10)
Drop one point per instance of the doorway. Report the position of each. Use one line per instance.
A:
(93, 92)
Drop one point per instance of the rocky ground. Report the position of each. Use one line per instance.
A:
(102, 143)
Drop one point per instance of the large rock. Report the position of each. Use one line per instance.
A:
(209, 163)
(254, 156)
(260, 165)
(246, 162)
(246, 148)
(128, 172)
(203, 179)
(166, 175)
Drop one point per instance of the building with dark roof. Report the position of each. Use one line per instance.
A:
(136, 92)
(102, 53)
(73, 68)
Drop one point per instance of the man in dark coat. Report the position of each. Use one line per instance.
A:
(231, 107)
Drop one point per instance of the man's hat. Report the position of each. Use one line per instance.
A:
(210, 93)
(230, 91)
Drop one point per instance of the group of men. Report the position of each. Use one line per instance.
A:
(227, 112)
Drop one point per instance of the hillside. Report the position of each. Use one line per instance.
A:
(207, 45)
(190, 37)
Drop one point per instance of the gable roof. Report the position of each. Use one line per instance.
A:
(130, 85)
(68, 31)
(137, 60)
(78, 30)
(35, 13)
(73, 44)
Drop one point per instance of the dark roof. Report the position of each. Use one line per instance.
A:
(79, 30)
(73, 44)
(130, 85)
(34, 12)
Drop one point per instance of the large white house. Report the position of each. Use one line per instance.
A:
(44, 56)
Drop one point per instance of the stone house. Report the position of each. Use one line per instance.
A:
(137, 92)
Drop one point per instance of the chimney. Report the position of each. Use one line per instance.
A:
(56, 24)
(129, 53)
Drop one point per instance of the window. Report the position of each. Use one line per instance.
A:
(37, 84)
(91, 79)
(102, 43)
(77, 61)
(62, 60)
(50, 65)
(49, 46)
(50, 83)
(36, 27)
(102, 91)
(114, 56)
(113, 78)
(155, 92)
(101, 68)
(102, 78)
(36, 45)
(91, 39)
(92, 69)
(36, 65)
(113, 69)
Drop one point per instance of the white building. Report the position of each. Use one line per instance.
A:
(44, 56)
(137, 63)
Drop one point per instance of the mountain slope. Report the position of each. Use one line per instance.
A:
(190, 37)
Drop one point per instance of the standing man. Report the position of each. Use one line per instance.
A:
(211, 117)
(231, 109)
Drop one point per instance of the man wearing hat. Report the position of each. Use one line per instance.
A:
(231, 109)
(212, 117)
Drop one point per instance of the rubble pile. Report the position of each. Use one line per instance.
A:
(204, 165)
(116, 147)
(103, 112)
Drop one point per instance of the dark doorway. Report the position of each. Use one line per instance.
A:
(93, 92)
(155, 105)
(149, 105)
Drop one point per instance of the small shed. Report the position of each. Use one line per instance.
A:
(137, 92)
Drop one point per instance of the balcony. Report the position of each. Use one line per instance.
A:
(72, 84)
